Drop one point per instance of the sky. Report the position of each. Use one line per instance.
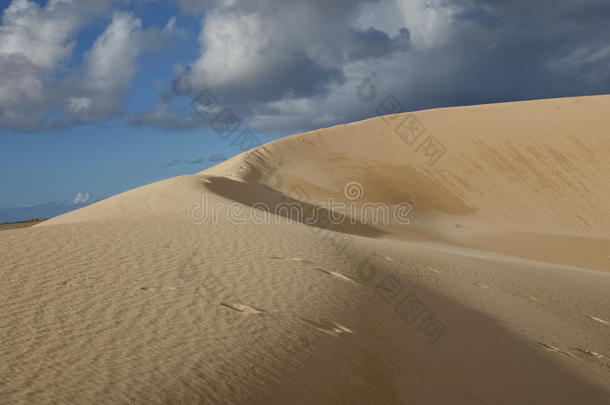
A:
(101, 96)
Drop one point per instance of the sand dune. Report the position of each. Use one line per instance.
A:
(221, 287)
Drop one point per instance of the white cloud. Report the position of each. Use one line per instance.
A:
(163, 117)
(430, 21)
(81, 198)
(111, 61)
(292, 65)
(269, 49)
(40, 34)
(199, 6)
(234, 45)
(34, 41)
(111, 66)
(37, 41)
(289, 66)
(78, 104)
(277, 64)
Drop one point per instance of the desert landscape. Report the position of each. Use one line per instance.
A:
(486, 282)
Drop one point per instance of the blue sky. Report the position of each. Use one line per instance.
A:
(95, 95)
(111, 156)
(101, 159)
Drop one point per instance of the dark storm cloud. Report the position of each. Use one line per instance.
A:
(372, 43)
(287, 74)
(284, 66)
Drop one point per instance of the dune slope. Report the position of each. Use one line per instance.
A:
(220, 287)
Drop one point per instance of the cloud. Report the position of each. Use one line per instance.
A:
(196, 161)
(199, 6)
(38, 92)
(34, 40)
(265, 50)
(163, 116)
(46, 210)
(217, 158)
(81, 198)
(286, 66)
(111, 65)
(41, 35)
(292, 66)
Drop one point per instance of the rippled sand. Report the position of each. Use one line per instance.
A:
(197, 289)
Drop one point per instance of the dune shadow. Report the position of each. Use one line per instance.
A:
(268, 200)
(476, 361)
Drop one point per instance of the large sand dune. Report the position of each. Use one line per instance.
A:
(208, 289)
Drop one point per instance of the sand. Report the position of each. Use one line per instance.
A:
(20, 224)
(190, 290)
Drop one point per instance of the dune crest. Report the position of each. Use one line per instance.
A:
(532, 170)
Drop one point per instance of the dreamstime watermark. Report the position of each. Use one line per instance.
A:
(407, 126)
(330, 219)
(405, 303)
(331, 213)
(388, 287)
(220, 118)
(353, 190)
(330, 227)
(227, 124)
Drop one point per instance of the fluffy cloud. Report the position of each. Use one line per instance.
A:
(165, 117)
(37, 92)
(258, 53)
(42, 35)
(285, 66)
(80, 198)
(265, 50)
(289, 66)
(110, 67)
(33, 41)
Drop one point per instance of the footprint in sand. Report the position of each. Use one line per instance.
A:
(331, 328)
(298, 259)
(158, 289)
(294, 259)
(590, 353)
(336, 275)
(245, 309)
(327, 272)
(553, 349)
(77, 282)
(596, 319)
(388, 258)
